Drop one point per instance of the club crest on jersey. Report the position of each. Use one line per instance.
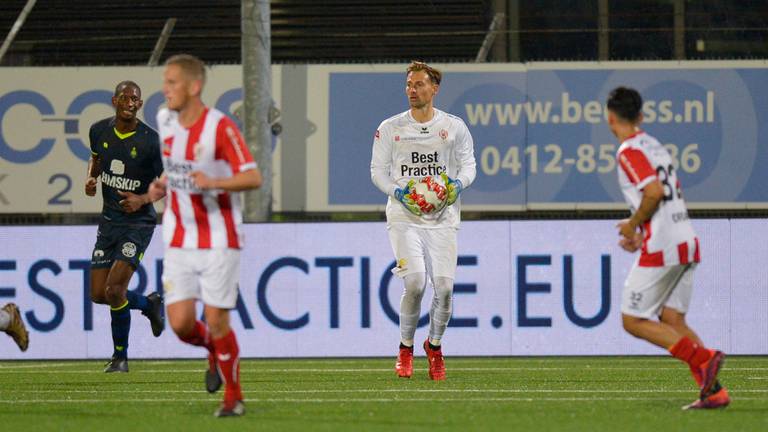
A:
(443, 134)
(377, 135)
(167, 146)
(197, 150)
(134, 153)
(397, 137)
(117, 167)
(129, 249)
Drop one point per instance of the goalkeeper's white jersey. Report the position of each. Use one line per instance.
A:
(405, 149)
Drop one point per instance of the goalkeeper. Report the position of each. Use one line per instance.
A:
(423, 139)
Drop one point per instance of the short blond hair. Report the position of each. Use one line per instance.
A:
(192, 66)
(417, 66)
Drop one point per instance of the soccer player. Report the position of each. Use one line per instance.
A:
(420, 142)
(206, 162)
(125, 156)
(13, 326)
(660, 283)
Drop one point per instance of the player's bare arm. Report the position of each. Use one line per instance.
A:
(94, 169)
(630, 245)
(244, 180)
(158, 188)
(652, 195)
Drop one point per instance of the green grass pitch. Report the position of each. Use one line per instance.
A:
(481, 394)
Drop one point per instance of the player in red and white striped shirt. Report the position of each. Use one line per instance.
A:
(205, 161)
(660, 283)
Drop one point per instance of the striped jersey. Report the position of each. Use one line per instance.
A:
(195, 218)
(669, 238)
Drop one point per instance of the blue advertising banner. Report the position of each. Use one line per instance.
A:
(327, 290)
(541, 137)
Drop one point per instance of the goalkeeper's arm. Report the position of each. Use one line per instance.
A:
(381, 163)
(465, 157)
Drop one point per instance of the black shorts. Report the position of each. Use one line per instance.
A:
(120, 242)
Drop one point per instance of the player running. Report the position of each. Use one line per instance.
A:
(423, 141)
(12, 324)
(660, 283)
(206, 161)
(125, 156)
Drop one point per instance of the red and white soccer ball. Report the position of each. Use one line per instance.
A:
(429, 194)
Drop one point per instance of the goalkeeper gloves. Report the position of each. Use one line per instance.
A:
(454, 188)
(404, 196)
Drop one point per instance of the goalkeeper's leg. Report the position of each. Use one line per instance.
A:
(410, 309)
(410, 306)
(440, 311)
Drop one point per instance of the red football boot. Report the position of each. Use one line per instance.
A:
(404, 365)
(719, 399)
(709, 370)
(436, 362)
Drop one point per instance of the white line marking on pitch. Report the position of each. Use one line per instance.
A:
(318, 391)
(249, 370)
(349, 400)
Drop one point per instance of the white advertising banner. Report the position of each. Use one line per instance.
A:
(45, 116)
(317, 290)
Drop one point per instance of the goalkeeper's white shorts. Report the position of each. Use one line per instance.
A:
(649, 289)
(424, 250)
(210, 275)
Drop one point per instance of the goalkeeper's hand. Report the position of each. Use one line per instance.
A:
(404, 196)
(454, 188)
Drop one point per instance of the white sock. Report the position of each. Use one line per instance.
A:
(440, 311)
(410, 306)
(5, 320)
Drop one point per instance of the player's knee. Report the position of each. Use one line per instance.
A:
(631, 324)
(181, 328)
(115, 294)
(218, 328)
(673, 318)
(415, 284)
(444, 291)
(98, 296)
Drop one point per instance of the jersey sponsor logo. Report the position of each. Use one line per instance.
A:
(178, 175)
(174, 167)
(235, 143)
(129, 249)
(225, 357)
(433, 169)
(182, 182)
(122, 183)
(117, 167)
